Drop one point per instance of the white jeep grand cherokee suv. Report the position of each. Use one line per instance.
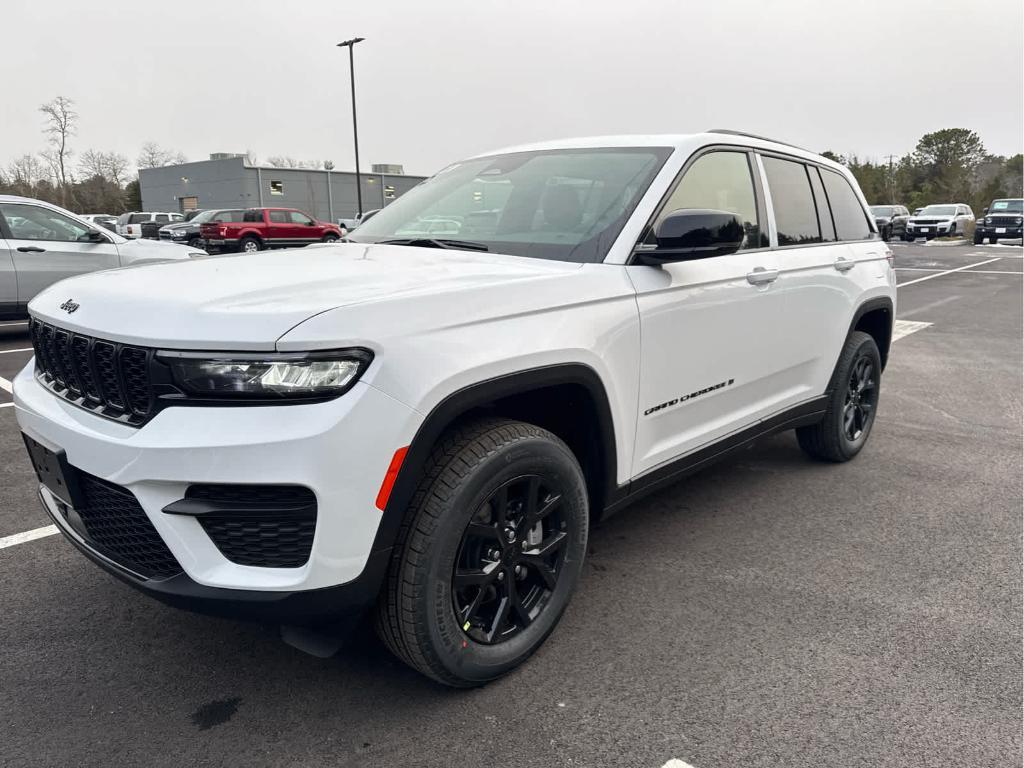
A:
(426, 427)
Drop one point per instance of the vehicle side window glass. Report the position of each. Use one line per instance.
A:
(231, 216)
(796, 218)
(161, 218)
(720, 181)
(851, 221)
(279, 217)
(828, 230)
(299, 218)
(138, 218)
(251, 216)
(31, 222)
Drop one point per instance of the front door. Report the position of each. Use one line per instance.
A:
(713, 349)
(48, 246)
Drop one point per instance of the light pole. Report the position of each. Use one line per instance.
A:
(351, 44)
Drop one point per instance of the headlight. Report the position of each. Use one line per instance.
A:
(314, 375)
(1019, 220)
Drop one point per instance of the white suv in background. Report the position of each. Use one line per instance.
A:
(946, 219)
(130, 224)
(41, 243)
(422, 428)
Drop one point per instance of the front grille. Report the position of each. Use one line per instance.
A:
(269, 526)
(1005, 221)
(119, 529)
(926, 222)
(102, 376)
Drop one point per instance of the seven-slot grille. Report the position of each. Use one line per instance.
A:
(1005, 220)
(102, 376)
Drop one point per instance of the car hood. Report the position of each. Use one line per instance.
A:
(147, 251)
(248, 301)
(932, 217)
(178, 225)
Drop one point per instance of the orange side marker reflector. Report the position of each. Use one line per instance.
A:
(389, 478)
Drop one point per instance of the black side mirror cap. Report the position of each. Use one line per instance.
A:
(693, 233)
(94, 236)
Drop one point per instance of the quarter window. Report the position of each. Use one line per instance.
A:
(796, 217)
(851, 221)
(720, 181)
(30, 222)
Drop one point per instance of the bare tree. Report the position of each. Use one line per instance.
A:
(24, 175)
(155, 156)
(60, 126)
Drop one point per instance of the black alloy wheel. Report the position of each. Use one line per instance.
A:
(509, 559)
(861, 397)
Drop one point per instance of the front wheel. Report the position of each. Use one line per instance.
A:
(852, 401)
(978, 239)
(196, 242)
(993, 240)
(330, 237)
(489, 554)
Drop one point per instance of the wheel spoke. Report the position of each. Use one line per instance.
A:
(500, 619)
(539, 514)
(500, 506)
(542, 569)
(475, 577)
(469, 612)
(550, 545)
(522, 615)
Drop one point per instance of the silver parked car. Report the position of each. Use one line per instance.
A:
(41, 243)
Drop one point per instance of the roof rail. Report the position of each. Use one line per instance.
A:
(755, 136)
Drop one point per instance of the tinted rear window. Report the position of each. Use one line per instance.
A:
(796, 218)
(851, 221)
(138, 218)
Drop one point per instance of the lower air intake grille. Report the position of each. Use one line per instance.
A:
(119, 529)
(269, 526)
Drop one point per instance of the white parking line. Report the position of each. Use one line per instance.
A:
(21, 538)
(947, 272)
(6, 385)
(8, 351)
(902, 328)
(6, 405)
(674, 763)
(973, 271)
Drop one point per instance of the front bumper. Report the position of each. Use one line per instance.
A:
(339, 449)
(1010, 232)
(929, 230)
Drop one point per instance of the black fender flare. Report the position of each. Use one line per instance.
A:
(872, 305)
(464, 400)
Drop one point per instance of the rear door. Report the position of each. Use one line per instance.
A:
(279, 227)
(8, 277)
(826, 275)
(48, 246)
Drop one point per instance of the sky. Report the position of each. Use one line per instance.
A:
(439, 80)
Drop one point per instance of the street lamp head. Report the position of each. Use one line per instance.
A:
(350, 43)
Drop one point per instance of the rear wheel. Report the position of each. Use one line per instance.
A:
(249, 245)
(852, 401)
(489, 554)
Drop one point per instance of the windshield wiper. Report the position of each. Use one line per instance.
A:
(431, 242)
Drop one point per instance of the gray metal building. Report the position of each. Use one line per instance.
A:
(230, 182)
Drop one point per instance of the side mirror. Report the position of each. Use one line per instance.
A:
(694, 233)
(984, 211)
(93, 236)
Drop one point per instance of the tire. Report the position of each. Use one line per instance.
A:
(330, 237)
(831, 439)
(196, 242)
(952, 230)
(978, 239)
(467, 473)
(886, 234)
(249, 245)
(993, 240)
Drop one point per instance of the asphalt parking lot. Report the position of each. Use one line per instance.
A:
(771, 611)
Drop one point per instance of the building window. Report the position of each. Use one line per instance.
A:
(389, 192)
(276, 187)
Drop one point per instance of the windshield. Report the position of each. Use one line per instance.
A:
(939, 210)
(883, 210)
(564, 204)
(1007, 206)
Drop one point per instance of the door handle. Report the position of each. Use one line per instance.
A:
(31, 249)
(844, 264)
(762, 276)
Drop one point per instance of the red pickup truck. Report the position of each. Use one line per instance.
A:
(268, 228)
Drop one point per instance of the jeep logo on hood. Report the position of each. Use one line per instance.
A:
(69, 306)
